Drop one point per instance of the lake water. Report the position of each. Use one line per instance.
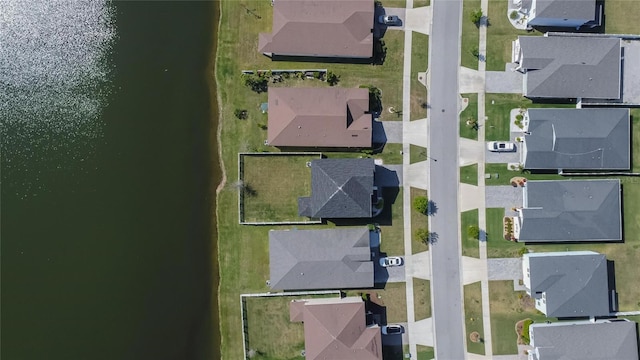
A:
(107, 169)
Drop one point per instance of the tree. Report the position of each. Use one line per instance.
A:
(423, 235)
(476, 16)
(473, 231)
(420, 204)
(255, 82)
(332, 78)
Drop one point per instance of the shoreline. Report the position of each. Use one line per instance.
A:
(217, 181)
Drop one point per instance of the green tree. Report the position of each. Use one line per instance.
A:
(255, 82)
(420, 204)
(422, 234)
(473, 231)
(476, 16)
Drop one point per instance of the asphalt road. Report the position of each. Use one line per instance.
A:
(449, 338)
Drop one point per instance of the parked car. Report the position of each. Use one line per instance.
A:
(392, 329)
(500, 146)
(389, 20)
(391, 261)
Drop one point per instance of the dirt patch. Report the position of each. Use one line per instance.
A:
(474, 337)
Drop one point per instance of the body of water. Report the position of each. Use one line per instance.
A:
(107, 168)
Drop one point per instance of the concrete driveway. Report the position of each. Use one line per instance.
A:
(387, 132)
(384, 275)
(504, 82)
(380, 29)
(491, 157)
(505, 197)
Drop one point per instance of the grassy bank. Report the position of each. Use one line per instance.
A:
(470, 246)
(473, 317)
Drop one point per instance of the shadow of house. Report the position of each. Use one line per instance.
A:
(611, 281)
(379, 136)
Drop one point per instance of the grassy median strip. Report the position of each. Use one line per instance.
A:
(417, 154)
(422, 298)
(470, 35)
(469, 174)
(425, 352)
(419, 224)
(419, 63)
(473, 318)
(469, 118)
(470, 246)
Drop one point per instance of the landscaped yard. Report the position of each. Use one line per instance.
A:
(473, 317)
(422, 298)
(417, 154)
(498, 108)
(497, 246)
(470, 246)
(470, 35)
(418, 221)
(505, 175)
(271, 334)
(419, 63)
(500, 34)
(507, 308)
(469, 114)
(272, 185)
(469, 174)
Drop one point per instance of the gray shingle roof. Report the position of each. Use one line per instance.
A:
(340, 188)
(563, 9)
(571, 67)
(584, 139)
(574, 210)
(575, 283)
(584, 341)
(320, 259)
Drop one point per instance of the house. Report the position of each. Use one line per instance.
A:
(319, 117)
(576, 139)
(570, 211)
(320, 28)
(584, 340)
(336, 329)
(320, 259)
(564, 13)
(568, 67)
(568, 284)
(341, 188)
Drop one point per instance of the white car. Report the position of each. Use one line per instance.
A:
(392, 329)
(501, 146)
(391, 261)
(389, 20)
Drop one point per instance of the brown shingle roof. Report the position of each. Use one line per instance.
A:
(336, 329)
(319, 117)
(326, 28)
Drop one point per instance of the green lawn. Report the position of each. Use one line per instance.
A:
(422, 298)
(392, 297)
(473, 316)
(498, 108)
(264, 196)
(507, 308)
(417, 154)
(469, 174)
(470, 246)
(500, 34)
(497, 246)
(425, 352)
(393, 231)
(420, 3)
(394, 3)
(419, 63)
(469, 113)
(635, 139)
(270, 332)
(389, 154)
(470, 35)
(619, 18)
(418, 221)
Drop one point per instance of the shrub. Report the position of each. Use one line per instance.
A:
(476, 16)
(513, 15)
(473, 231)
(332, 78)
(525, 331)
(420, 204)
(475, 52)
(240, 114)
(519, 117)
(523, 250)
(256, 83)
(422, 234)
